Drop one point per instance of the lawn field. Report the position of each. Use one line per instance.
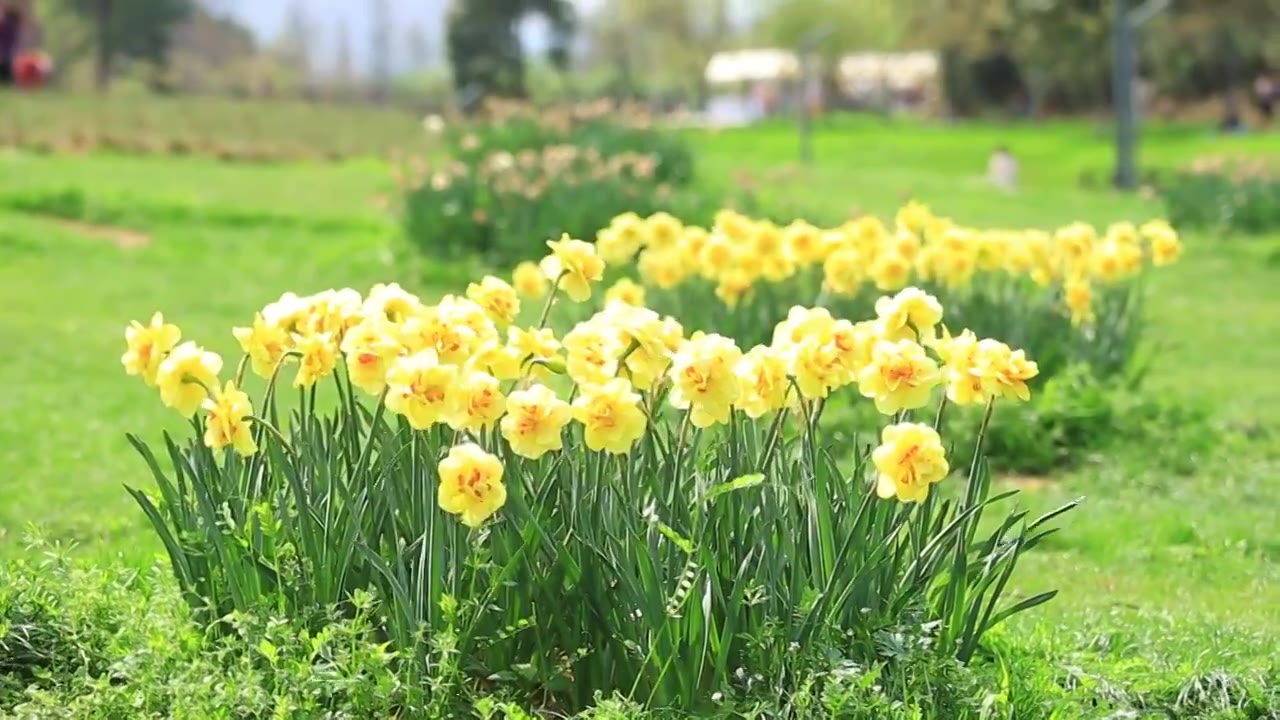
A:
(1166, 577)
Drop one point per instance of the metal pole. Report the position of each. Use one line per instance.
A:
(807, 45)
(806, 122)
(1122, 81)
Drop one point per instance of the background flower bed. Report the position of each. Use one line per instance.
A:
(503, 184)
(1076, 294)
(1226, 195)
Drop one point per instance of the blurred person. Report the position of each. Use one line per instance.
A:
(1002, 169)
(10, 30)
(31, 69)
(1266, 92)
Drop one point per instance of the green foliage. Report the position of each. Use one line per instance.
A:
(655, 574)
(1075, 416)
(1225, 200)
(78, 641)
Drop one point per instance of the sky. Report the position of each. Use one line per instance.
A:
(267, 19)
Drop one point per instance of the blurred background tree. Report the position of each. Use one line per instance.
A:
(135, 29)
(484, 47)
(1009, 56)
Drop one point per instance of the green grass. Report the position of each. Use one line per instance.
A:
(1163, 576)
(208, 126)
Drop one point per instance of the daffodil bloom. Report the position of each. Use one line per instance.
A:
(1006, 370)
(421, 389)
(535, 421)
(1079, 300)
(265, 344)
(914, 216)
(330, 313)
(1108, 261)
(732, 224)
(617, 246)
(610, 415)
(816, 366)
(802, 323)
(498, 299)
(462, 312)
(592, 352)
(715, 256)
(853, 344)
(843, 272)
(663, 268)
(529, 280)
(627, 292)
(185, 376)
(762, 373)
(900, 376)
(392, 302)
(497, 360)
(227, 420)
(318, 356)
(1165, 246)
(965, 383)
(1074, 243)
(703, 379)
(533, 345)
(647, 340)
(478, 402)
(146, 346)
(287, 312)
(1122, 233)
(912, 309)
(369, 348)
(471, 484)
(905, 244)
(732, 288)
(890, 271)
(695, 239)
(662, 230)
(909, 459)
(575, 265)
(451, 339)
(802, 242)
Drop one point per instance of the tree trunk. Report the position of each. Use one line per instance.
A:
(103, 70)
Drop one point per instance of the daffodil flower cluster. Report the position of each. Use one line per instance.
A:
(739, 253)
(465, 363)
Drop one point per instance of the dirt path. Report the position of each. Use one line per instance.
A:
(123, 238)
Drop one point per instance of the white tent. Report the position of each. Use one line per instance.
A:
(899, 72)
(751, 66)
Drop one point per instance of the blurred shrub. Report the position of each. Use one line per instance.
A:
(1225, 195)
(519, 178)
(1071, 419)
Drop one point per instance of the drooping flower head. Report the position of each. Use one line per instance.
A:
(535, 421)
(147, 345)
(186, 375)
(575, 264)
(909, 459)
(471, 484)
(610, 415)
(227, 420)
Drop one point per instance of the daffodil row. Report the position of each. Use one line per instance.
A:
(465, 363)
(738, 252)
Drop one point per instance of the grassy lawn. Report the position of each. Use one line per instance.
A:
(1163, 576)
